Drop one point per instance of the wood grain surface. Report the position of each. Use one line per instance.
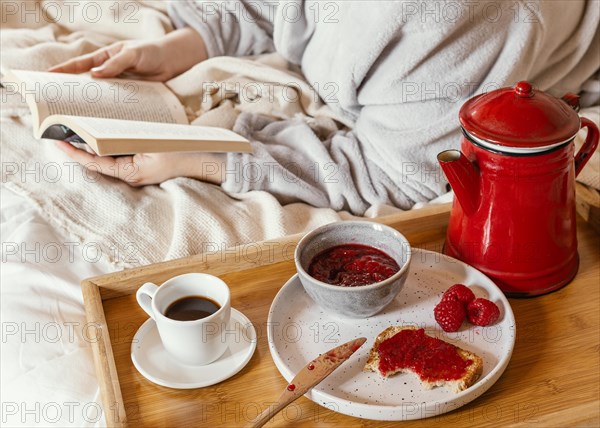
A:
(552, 380)
(588, 205)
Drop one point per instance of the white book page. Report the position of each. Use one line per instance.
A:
(81, 95)
(107, 129)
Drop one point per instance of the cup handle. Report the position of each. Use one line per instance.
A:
(144, 296)
(588, 148)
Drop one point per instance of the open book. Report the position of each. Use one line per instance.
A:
(114, 116)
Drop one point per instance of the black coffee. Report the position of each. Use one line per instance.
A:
(191, 308)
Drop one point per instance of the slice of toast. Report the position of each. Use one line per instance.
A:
(473, 371)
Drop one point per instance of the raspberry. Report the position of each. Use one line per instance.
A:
(482, 312)
(460, 293)
(450, 314)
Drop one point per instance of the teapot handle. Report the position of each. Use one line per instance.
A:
(572, 100)
(589, 146)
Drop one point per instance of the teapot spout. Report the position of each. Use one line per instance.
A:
(463, 177)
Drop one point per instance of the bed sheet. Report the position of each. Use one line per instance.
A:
(47, 367)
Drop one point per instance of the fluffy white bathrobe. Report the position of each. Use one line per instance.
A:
(398, 71)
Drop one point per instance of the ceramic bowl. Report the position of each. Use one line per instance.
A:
(360, 301)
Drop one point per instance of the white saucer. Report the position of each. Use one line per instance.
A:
(154, 363)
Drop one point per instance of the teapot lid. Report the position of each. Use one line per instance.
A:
(519, 119)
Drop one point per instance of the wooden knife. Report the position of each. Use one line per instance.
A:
(312, 374)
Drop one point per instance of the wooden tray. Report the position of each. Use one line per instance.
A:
(553, 378)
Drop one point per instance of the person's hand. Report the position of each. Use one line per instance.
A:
(158, 60)
(150, 168)
(144, 59)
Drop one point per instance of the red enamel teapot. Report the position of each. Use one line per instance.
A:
(513, 215)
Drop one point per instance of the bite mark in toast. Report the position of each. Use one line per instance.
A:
(472, 371)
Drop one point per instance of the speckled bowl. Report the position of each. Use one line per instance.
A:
(361, 301)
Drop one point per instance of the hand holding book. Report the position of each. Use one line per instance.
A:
(151, 168)
(142, 121)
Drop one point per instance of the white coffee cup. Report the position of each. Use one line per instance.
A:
(196, 342)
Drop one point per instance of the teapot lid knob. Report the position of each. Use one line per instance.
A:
(524, 89)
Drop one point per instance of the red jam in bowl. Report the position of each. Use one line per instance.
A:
(352, 265)
(430, 358)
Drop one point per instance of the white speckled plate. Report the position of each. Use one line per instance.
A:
(299, 330)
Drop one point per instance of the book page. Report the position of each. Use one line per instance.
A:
(124, 137)
(101, 128)
(81, 95)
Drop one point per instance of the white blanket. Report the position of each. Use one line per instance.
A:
(181, 216)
